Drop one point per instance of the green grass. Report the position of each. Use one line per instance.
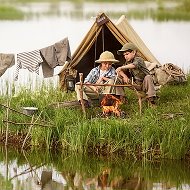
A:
(181, 11)
(10, 13)
(158, 133)
(160, 15)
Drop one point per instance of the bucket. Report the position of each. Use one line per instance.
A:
(29, 110)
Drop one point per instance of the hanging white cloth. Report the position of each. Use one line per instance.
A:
(28, 60)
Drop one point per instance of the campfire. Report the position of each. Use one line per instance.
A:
(110, 105)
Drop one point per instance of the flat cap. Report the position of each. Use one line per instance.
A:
(127, 46)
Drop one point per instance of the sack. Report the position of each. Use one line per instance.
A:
(152, 67)
(170, 74)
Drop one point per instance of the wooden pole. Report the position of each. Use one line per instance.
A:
(115, 80)
(116, 85)
(28, 170)
(81, 93)
(31, 168)
(20, 113)
(15, 110)
(15, 123)
(31, 125)
(7, 164)
(7, 117)
(132, 86)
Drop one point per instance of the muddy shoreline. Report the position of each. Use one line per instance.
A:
(16, 141)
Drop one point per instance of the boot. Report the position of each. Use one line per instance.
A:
(151, 101)
(86, 103)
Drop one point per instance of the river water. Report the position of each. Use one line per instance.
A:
(47, 24)
(56, 171)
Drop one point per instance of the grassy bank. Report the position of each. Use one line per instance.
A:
(10, 13)
(159, 133)
(179, 11)
(160, 10)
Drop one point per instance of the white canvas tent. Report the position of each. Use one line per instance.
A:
(103, 35)
(124, 26)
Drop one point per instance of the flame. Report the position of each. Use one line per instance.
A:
(110, 104)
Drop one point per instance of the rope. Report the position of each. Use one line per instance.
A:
(95, 52)
(172, 70)
(103, 38)
(175, 73)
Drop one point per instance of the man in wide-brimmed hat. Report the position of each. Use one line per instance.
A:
(138, 71)
(99, 75)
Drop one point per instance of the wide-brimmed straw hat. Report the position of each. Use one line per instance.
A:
(107, 56)
(127, 46)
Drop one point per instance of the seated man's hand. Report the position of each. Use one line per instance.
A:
(99, 80)
(119, 69)
(126, 80)
(95, 88)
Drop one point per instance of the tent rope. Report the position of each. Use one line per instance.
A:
(95, 52)
(172, 70)
(103, 38)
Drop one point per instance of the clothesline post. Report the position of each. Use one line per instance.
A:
(81, 93)
(7, 126)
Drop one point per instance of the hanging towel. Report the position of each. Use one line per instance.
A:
(46, 69)
(28, 60)
(6, 61)
(63, 52)
(55, 55)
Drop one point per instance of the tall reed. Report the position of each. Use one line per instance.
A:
(158, 133)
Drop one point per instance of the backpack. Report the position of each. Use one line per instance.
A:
(170, 74)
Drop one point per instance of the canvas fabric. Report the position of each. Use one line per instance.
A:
(124, 26)
(167, 73)
(120, 34)
(170, 74)
(123, 33)
(90, 39)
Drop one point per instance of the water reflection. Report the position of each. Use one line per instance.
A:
(47, 171)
